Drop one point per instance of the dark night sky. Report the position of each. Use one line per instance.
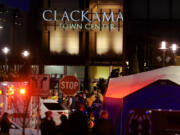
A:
(21, 4)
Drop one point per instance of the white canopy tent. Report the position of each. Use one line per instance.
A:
(123, 86)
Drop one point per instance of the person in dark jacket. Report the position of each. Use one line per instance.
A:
(5, 124)
(104, 126)
(78, 122)
(63, 127)
(48, 125)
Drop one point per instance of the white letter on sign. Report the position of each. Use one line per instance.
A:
(67, 85)
(76, 84)
(62, 85)
(71, 85)
(44, 15)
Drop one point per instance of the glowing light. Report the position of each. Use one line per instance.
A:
(22, 91)
(109, 41)
(10, 90)
(99, 72)
(72, 40)
(56, 42)
(102, 43)
(174, 47)
(25, 53)
(163, 45)
(67, 41)
(0, 92)
(4, 84)
(131, 112)
(117, 42)
(127, 63)
(1, 104)
(5, 50)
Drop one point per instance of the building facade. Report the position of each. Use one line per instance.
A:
(147, 24)
(82, 38)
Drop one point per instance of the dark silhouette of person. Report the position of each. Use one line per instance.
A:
(104, 126)
(78, 122)
(63, 127)
(5, 124)
(48, 125)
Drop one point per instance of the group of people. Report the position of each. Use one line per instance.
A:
(77, 124)
(86, 118)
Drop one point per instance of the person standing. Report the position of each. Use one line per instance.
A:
(5, 124)
(78, 122)
(103, 125)
(63, 128)
(48, 125)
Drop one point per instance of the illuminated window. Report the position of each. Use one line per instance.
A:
(109, 41)
(64, 41)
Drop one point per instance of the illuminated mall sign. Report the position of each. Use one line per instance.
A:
(83, 19)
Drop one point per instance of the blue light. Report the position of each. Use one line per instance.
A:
(131, 112)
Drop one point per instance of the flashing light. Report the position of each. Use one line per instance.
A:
(1, 92)
(22, 91)
(1, 105)
(10, 91)
(148, 112)
(131, 112)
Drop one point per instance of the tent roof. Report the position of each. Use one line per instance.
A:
(123, 86)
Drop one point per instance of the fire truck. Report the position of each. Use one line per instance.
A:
(16, 100)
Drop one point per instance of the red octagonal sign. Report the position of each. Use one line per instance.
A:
(69, 85)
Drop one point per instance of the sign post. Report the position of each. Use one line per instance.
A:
(69, 85)
(40, 86)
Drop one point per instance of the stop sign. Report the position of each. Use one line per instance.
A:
(69, 85)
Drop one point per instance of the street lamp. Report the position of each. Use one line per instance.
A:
(174, 48)
(6, 51)
(163, 45)
(163, 48)
(25, 54)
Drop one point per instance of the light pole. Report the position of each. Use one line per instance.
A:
(26, 68)
(173, 47)
(6, 51)
(163, 48)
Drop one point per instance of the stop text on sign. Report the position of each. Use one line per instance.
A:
(69, 85)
